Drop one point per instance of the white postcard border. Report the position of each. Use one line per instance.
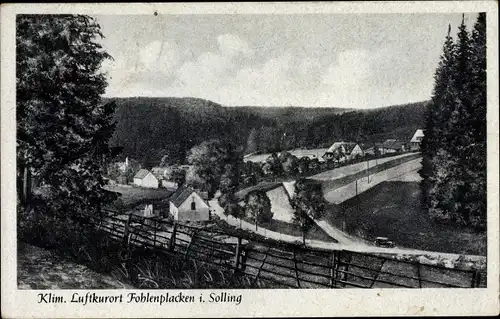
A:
(261, 302)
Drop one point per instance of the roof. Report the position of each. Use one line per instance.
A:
(182, 194)
(159, 172)
(141, 173)
(334, 147)
(418, 133)
(348, 146)
(392, 144)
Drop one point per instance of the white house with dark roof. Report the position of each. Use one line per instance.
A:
(416, 140)
(186, 204)
(144, 178)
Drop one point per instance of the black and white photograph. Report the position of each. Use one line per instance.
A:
(159, 154)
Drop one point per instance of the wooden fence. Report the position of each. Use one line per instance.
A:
(285, 265)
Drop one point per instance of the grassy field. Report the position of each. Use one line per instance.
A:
(392, 209)
(132, 196)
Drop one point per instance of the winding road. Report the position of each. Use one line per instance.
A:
(344, 240)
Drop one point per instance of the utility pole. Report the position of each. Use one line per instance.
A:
(357, 201)
(368, 164)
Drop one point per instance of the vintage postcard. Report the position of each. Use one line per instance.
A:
(249, 159)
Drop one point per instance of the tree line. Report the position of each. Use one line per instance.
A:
(150, 129)
(454, 146)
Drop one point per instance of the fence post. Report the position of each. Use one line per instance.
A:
(154, 234)
(333, 269)
(382, 266)
(295, 264)
(193, 238)
(349, 260)
(171, 243)
(418, 274)
(126, 231)
(237, 255)
(476, 279)
(262, 265)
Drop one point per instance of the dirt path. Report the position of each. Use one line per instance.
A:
(39, 268)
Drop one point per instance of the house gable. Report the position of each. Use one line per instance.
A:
(188, 205)
(193, 197)
(417, 137)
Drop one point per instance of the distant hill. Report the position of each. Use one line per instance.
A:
(149, 128)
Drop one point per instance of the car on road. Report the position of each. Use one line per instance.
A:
(384, 242)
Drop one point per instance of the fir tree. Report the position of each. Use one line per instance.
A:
(454, 146)
(62, 127)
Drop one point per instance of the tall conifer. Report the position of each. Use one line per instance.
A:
(454, 146)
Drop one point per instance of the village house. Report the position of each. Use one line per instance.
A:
(164, 175)
(186, 204)
(391, 146)
(416, 140)
(146, 179)
(342, 151)
(159, 172)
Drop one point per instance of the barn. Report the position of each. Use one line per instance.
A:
(186, 204)
(146, 179)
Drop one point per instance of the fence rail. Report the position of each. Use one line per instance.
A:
(285, 265)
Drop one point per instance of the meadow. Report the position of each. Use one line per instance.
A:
(393, 210)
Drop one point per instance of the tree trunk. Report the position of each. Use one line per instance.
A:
(19, 184)
(304, 238)
(26, 184)
(240, 222)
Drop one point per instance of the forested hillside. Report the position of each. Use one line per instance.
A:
(150, 128)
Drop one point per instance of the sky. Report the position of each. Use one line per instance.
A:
(311, 60)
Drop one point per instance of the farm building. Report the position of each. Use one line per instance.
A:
(392, 146)
(165, 175)
(186, 204)
(342, 151)
(145, 178)
(159, 172)
(416, 140)
(169, 184)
